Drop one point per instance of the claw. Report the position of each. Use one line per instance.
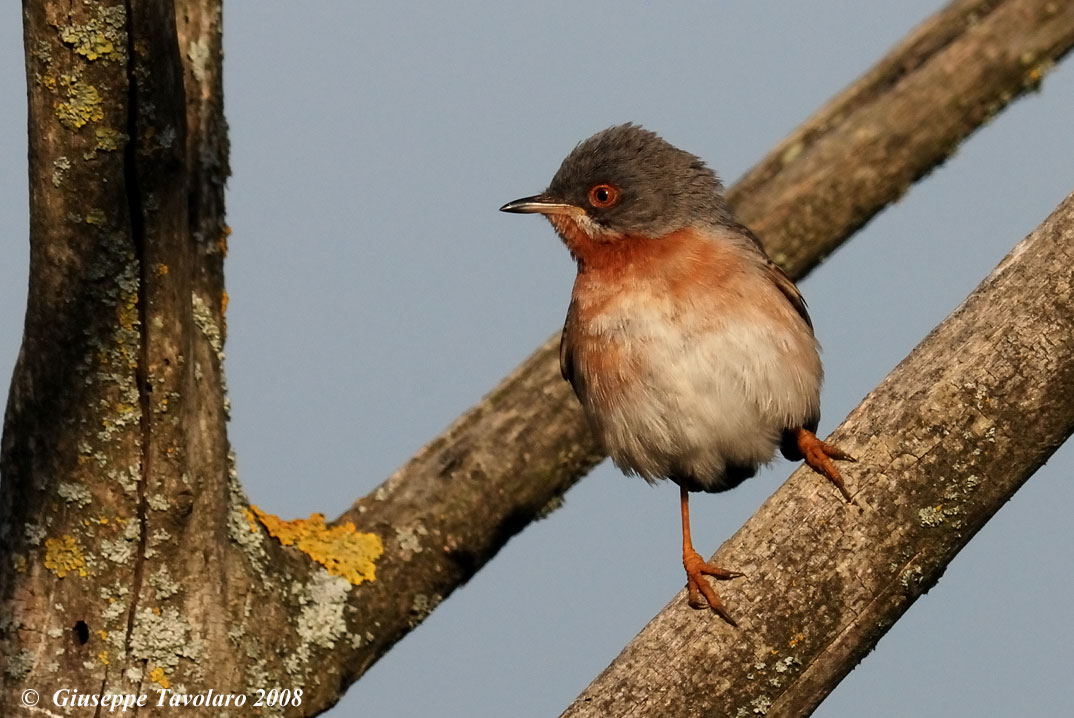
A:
(696, 586)
(818, 454)
(836, 453)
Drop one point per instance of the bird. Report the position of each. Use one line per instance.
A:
(691, 352)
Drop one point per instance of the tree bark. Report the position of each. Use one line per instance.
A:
(132, 561)
(132, 564)
(942, 444)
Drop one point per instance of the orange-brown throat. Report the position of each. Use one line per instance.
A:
(684, 257)
(612, 250)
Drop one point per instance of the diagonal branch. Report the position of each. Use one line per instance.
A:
(510, 458)
(943, 443)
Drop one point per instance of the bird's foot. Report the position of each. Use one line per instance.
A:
(696, 585)
(819, 454)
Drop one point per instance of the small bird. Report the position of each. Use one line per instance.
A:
(691, 352)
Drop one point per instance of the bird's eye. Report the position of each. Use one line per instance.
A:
(603, 195)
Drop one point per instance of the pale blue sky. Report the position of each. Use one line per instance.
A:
(376, 293)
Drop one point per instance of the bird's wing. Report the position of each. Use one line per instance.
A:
(778, 277)
(788, 441)
(788, 289)
(566, 359)
(565, 363)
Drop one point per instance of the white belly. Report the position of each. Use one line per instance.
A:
(689, 400)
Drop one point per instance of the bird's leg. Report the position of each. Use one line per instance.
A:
(819, 454)
(696, 568)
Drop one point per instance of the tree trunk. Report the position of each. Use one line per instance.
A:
(133, 563)
(942, 444)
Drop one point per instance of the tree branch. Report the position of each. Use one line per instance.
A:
(509, 459)
(943, 443)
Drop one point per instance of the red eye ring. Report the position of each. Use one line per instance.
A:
(603, 195)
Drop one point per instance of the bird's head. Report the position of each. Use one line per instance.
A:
(627, 182)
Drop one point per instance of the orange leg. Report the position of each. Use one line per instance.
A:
(819, 454)
(696, 568)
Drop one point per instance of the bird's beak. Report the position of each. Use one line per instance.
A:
(540, 204)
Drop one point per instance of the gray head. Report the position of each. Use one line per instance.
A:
(628, 180)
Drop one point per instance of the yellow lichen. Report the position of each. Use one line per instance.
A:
(63, 555)
(791, 153)
(83, 105)
(108, 139)
(103, 657)
(103, 36)
(251, 519)
(157, 676)
(103, 634)
(221, 241)
(91, 44)
(342, 549)
(96, 217)
(127, 312)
